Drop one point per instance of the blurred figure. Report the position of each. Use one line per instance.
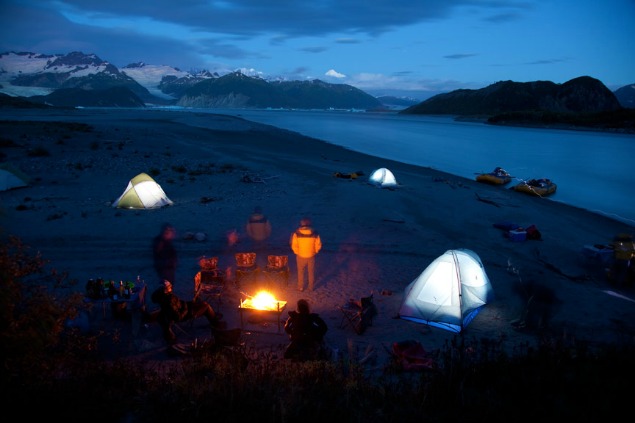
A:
(540, 304)
(621, 273)
(164, 253)
(258, 228)
(232, 238)
(305, 243)
(306, 331)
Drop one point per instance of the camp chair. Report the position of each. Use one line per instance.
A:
(358, 314)
(246, 266)
(209, 282)
(277, 269)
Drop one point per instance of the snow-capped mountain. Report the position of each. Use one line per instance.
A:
(41, 77)
(151, 76)
(29, 74)
(13, 65)
(32, 74)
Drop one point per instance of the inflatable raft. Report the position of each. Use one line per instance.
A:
(538, 187)
(498, 176)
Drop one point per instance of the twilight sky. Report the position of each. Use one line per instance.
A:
(407, 47)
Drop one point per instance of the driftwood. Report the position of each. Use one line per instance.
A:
(50, 198)
(486, 200)
(332, 160)
(492, 202)
(396, 220)
(557, 270)
(205, 200)
(256, 178)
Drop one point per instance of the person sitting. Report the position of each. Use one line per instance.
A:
(174, 310)
(306, 331)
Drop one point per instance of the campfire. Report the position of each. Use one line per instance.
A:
(264, 301)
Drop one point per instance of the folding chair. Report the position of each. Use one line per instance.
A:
(209, 282)
(246, 267)
(277, 270)
(358, 314)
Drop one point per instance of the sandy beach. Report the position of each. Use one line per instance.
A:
(217, 168)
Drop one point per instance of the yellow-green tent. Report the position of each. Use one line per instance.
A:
(142, 192)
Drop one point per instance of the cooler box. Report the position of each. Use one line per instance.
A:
(517, 235)
(598, 253)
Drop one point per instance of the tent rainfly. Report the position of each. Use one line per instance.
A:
(142, 192)
(382, 178)
(11, 178)
(449, 293)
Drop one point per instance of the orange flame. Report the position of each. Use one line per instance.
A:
(263, 300)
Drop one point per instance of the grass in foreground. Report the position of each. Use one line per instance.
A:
(50, 368)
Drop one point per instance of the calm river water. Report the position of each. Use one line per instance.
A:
(593, 170)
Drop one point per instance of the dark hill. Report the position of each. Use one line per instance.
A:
(19, 103)
(581, 103)
(579, 95)
(236, 90)
(76, 97)
(626, 96)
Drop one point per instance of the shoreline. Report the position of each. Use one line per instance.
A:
(375, 240)
(570, 181)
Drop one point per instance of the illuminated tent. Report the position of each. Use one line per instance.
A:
(449, 293)
(11, 178)
(382, 178)
(142, 192)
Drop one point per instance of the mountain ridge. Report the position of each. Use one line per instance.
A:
(39, 75)
(170, 86)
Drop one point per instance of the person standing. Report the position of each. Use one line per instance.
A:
(164, 253)
(258, 228)
(305, 243)
(621, 271)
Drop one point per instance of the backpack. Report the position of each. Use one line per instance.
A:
(533, 233)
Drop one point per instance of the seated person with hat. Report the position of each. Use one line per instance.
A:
(306, 331)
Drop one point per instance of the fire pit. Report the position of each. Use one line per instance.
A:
(263, 303)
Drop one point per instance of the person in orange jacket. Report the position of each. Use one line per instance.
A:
(305, 243)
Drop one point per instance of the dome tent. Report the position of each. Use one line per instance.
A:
(11, 178)
(382, 178)
(449, 293)
(142, 192)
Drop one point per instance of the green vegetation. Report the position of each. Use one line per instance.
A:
(49, 367)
